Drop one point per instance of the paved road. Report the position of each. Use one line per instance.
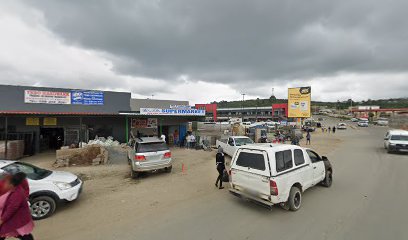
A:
(367, 201)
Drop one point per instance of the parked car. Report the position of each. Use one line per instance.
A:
(396, 141)
(382, 122)
(362, 123)
(232, 143)
(277, 174)
(47, 188)
(354, 119)
(149, 154)
(341, 126)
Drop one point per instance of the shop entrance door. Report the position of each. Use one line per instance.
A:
(51, 138)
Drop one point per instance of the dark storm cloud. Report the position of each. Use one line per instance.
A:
(230, 40)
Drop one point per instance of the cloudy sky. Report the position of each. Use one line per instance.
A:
(208, 50)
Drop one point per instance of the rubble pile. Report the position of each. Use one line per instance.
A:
(101, 141)
(89, 155)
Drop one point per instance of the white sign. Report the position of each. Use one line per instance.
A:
(47, 97)
(172, 112)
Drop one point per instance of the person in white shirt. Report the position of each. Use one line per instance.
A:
(192, 140)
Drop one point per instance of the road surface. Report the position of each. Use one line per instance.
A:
(367, 201)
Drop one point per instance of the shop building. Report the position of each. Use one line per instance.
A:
(47, 118)
(280, 111)
(151, 117)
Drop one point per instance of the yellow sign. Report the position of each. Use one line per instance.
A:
(50, 121)
(30, 121)
(299, 101)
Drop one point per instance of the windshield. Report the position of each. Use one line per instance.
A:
(32, 172)
(151, 147)
(399, 137)
(243, 141)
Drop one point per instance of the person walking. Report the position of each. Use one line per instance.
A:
(176, 137)
(220, 162)
(15, 220)
(329, 129)
(334, 129)
(308, 138)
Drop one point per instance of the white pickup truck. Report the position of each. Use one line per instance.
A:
(277, 174)
(232, 143)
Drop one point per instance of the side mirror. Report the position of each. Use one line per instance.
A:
(324, 158)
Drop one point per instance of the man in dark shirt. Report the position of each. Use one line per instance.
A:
(220, 161)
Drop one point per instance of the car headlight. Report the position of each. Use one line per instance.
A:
(63, 185)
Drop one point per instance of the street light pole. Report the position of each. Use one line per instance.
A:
(242, 106)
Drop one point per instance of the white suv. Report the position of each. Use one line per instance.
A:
(47, 188)
(396, 141)
(277, 174)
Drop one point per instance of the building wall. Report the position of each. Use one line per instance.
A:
(136, 104)
(12, 99)
(280, 106)
(209, 108)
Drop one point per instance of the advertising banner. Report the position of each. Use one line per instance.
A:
(80, 97)
(299, 101)
(172, 112)
(47, 97)
(144, 123)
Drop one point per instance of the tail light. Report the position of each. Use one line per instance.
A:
(167, 155)
(140, 158)
(274, 188)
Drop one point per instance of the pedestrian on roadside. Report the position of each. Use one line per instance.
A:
(334, 129)
(308, 138)
(192, 140)
(188, 140)
(176, 137)
(329, 129)
(15, 220)
(220, 162)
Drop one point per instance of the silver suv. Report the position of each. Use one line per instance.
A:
(149, 154)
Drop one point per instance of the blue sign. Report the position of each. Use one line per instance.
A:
(87, 97)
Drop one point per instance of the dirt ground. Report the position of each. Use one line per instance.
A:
(110, 196)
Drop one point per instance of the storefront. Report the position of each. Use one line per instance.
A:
(41, 119)
(162, 117)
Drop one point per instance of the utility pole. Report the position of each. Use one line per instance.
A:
(242, 106)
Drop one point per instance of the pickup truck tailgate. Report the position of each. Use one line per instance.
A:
(250, 173)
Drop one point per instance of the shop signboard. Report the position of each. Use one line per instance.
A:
(139, 123)
(299, 101)
(50, 121)
(172, 112)
(152, 123)
(47, 97)
(32, 121)
(144, 123)
(79, 97)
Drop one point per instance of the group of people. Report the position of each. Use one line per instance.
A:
(190, 140)
(15, 215)
(329, 129)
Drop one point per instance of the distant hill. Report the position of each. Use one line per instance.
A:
(383, 103)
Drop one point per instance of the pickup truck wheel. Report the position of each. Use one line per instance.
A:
(42, 207)
(328, 180)
(134, 174)
(295, 199)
